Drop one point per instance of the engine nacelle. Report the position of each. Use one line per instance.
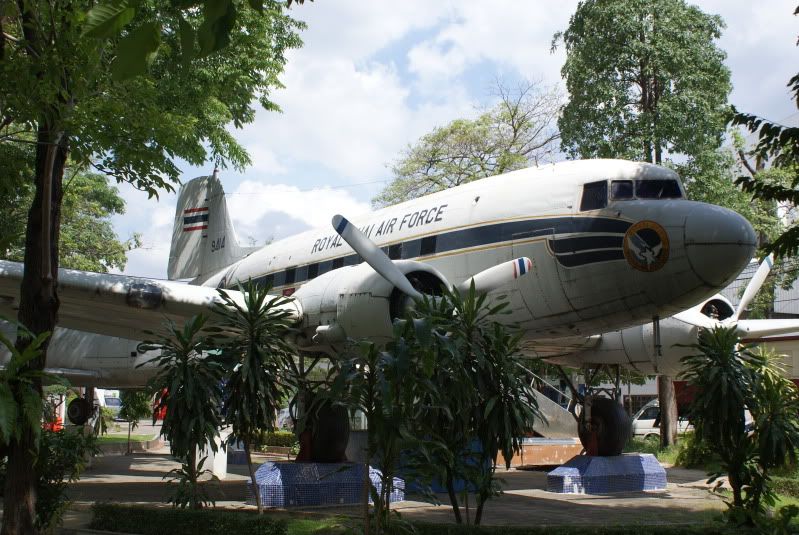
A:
(355, 302)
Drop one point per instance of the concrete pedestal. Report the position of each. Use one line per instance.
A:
(630, 472)
(291, 484)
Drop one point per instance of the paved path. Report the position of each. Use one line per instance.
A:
(137, 479)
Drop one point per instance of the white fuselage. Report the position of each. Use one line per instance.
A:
(595, 268)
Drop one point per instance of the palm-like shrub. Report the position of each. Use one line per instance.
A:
(252, 335)
(730, 379)
(189, 386)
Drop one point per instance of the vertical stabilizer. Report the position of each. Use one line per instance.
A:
(203, 239)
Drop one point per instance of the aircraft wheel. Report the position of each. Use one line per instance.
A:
(609, 428)
(78, 411)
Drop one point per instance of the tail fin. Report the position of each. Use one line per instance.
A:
(203, 239)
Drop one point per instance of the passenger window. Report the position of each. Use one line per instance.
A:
(395, 251)
(621, 190)
(428, 246)
(313, 271)
(657, 189)
(290, 275)
(595, 196)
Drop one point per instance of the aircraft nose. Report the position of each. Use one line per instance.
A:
(719, 244)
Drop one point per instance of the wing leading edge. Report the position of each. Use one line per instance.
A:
(118, 305)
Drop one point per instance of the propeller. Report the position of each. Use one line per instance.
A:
(746, 328)
(373, 255)
(754, 285)
(484, 281)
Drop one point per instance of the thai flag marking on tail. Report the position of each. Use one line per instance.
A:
(195, 219)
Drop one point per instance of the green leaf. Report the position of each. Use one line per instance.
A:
(214, 32)
(107, 19)
(136, 51)
(8, 413)
(187, 41)
(257, 5)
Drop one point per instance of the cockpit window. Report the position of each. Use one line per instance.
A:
(621, 189)
(595, 196)
(657, 189)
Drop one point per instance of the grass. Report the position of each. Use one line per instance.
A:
(122, 439)
(666, 456)
(309, 526)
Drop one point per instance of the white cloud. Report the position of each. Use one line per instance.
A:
(252, 202)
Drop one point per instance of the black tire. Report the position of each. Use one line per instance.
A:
(78, 411)
(609, 430)
(331, 433)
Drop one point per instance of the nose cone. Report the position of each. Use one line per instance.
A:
(719, 243)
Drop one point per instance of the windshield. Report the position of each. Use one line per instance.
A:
(657, 189)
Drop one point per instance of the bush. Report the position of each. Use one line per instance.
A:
(695, 453)
(62, 458)
(148, 521)
(786, 486)
(285, 439)
(424, 528)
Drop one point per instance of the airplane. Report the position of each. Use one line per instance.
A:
(577, 248)
(636, 348)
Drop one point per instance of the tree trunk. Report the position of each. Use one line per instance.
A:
(256, 492)
(37, 311)
(668, 411)
(129, 425)
(194, 503)
(367, 489)
(453, 497)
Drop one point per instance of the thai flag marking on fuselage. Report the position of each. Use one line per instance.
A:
(195, 219)
(521, 267)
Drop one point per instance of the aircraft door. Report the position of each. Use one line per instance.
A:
(542, 290)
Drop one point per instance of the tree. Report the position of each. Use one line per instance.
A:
(135, 53)
(729, 380)
(483, 402)
(57, 87)
(88, 241)
(260, 359)
(189, 386)
(136, 404)
(645, 79)
(517, 132)
(387, 384)
(709, 176)
(778, 145)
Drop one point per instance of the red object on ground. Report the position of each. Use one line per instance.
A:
(159, 414)
(56, 425)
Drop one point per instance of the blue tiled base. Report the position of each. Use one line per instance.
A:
(602, 475)
(290, 484)
(235, 456)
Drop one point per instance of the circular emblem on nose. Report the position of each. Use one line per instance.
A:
(646, 246)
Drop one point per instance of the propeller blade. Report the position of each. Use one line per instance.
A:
(496, 276)
(373, 255)
(759, 328)
(754, 285)
(694, 316)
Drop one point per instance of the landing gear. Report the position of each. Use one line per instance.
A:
(79, 411)
(603, 425)
(606, 431)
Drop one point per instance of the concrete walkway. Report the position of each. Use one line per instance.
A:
(137, 479)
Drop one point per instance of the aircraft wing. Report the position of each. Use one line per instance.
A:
(117, 305)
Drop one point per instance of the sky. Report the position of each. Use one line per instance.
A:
(372, 77)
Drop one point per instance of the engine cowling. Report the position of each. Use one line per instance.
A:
(355, 302)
